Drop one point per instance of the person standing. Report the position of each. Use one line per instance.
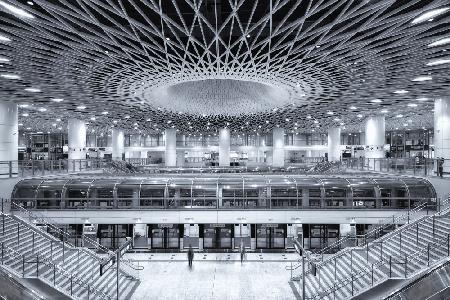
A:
(441, 166)
(190, 256)
(242, 250)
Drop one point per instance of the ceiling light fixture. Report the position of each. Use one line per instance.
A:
(412, 105)
(4, 39)
(81, 107)
(422, 78)
(376, 100)
(4, 59)
(42, 109)
(426, 16)
(10, 76)
(441, 42)
(16, 11)
(352, 107)
(32, 90)
(57, 100)
(438, 62)
(400, 92)
(384, 111)
(330, 113)
(422, 99)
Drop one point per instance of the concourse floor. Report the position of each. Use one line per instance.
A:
(217, 276)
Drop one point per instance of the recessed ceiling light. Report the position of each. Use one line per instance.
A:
(308, 117)
(105, 112)
(423, 78)
(316, 122)
(57, 99)
(127, 117)
(330, 113)
(440, 42)
(30, 3)
(376, 101)
(399, 116)
(58, 120)
(422, 99)
(384, 111)
(10, 76)
(401, 92)
(81, 107)
(438, 62)
(25, 115)
(352, 107)
(430, 14)
(15, 10)
(4, 39)
(115, 121)
(92, 118)
(32, 90)
(412, 105)
(42, 109)
(359, 116)
(24, 105)
(4, 59)
(336, 119)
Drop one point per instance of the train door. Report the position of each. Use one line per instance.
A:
(217, 236)
(140, 236)
(270, 236)
(164, 236)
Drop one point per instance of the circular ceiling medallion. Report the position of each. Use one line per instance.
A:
(226, 97)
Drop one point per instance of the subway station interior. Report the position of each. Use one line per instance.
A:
(225, 149)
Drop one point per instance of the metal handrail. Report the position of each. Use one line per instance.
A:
(362, 271)
(59, 270)
(388, 236)
(66, 234)
(375, 230)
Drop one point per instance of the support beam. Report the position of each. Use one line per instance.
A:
(171, 147)
(442, 130)
(77, 139)
(9, 139)
(118, 144)
(334, 144)
(224, 147)
(278, 147)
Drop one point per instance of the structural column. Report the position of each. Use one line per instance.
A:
(442, 130)
(278, 147)
(118, 144)
(171, 147)
(224, 147)
(334, 144)
(375, 139)
(9, 139)
(77, 139)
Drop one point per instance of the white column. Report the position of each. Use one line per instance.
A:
(334, 144)
(375, 136)
(224, 147)
(118, 144)
(278, 147)
(171, 147)
(77, 139)
(9, 138)
(442, 130)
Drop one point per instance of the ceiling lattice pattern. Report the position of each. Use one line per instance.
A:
(204, 64)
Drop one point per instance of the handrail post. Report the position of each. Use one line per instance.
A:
(32, 242)
(417, 234)
(23, 265)
(54, 275)
(428, 254)
(448, 244)
(400, 236)
(406, 266)
(433, 225)
(71, 281)
(390, 266)
(37, 266)
(372, 275)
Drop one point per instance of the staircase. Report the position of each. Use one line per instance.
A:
(75, 271)
(398, 254)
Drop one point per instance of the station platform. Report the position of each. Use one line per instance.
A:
(218, 276)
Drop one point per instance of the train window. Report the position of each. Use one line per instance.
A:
(284, 197)
(232, 197)
(76, 197)
(152, 197)
(204, 197)
(315, 196)
(49, 197)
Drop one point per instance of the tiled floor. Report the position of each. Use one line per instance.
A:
(261, 276)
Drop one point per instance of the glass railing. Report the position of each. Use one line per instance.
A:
(407, 166)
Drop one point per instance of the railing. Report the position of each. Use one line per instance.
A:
(377, 246)
(382, 226)
(24, 168)
(34, 218)
(211, 203)
(409, 166)
(408, 264)
(43, 264)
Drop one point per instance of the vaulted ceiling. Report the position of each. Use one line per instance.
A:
(199, 65)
